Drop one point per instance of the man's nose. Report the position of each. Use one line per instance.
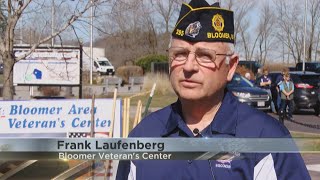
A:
(191, 63)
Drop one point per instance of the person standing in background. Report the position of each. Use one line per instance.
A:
(265, 83)
(286, 89)
(278, 82)
(248, 76)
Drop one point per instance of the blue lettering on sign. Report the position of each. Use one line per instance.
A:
(77, 122)
(15, 123)
(21, 110)
(81, 110)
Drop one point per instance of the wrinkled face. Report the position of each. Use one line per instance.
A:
(196, 81)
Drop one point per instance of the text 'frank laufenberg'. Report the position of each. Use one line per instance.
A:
(119, 145)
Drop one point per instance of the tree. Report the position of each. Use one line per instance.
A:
(132, 30)
(243, 34)
(265, 30)
(314, 12)
(290, 27)
(13, 13)
(3, 18)
(166, 9)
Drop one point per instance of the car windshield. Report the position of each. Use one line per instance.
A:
(104, 63)
(239, 81)
(313, 66)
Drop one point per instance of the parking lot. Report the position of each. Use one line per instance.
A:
(306, 122)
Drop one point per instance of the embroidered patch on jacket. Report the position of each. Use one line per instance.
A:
(225, 160)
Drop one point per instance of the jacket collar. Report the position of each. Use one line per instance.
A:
(225, 121)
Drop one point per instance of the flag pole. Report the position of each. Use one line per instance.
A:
(149, 100)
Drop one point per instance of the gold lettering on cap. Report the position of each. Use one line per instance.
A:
(179, 32)
(219, 35)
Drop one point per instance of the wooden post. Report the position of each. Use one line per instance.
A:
(107, 162)
(124, 117)
(113, 112)
(135, 123)
(139, 115)
(128, 117)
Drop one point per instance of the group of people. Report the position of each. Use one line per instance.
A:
(202, 61)
(284, 87)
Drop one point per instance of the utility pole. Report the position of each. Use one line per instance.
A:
(52, 21)
(304, 36)
(91, 40)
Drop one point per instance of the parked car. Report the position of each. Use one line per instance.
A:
(309, 66)
(306, 92)
(251, 65)
(246, 92)
(292, 68)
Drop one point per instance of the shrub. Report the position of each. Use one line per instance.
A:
(128, 71)
(145, 62)
(50, 90)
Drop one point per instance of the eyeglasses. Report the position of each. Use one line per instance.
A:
(203, 56)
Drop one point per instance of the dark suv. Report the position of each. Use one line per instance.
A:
(247, 93)
(306, 90)
(252, 65)
(309, 66)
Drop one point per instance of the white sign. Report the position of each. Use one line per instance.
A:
(50, 117)
(58, 116)
(48, 66)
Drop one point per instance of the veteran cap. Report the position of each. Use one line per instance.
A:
(199, 21)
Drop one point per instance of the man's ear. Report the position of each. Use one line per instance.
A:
(234, 59)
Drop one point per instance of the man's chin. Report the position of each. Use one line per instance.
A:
(190, 97)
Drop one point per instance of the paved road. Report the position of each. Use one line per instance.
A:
(307, 118)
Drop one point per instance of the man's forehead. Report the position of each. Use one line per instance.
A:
(208, 45)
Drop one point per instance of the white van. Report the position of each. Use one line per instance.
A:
(103, 66)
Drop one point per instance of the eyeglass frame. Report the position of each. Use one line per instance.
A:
(212, 60)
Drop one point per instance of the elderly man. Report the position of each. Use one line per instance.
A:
(202, 61)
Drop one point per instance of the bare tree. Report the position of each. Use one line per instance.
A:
(290, 27)
(13, 13)
(242, 24)
(167, 10)
(132, 26)
(265, 30)
(313, 26)
(317, 50)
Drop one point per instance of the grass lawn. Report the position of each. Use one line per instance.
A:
(157, 100)
(308, 141)
(303, 135)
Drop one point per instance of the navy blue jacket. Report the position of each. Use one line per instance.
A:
(233, 119)
(265, 79)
